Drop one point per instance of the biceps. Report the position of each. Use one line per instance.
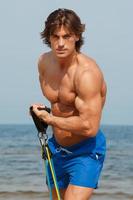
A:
(89, 107)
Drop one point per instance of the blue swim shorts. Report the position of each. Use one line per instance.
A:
(80, 164)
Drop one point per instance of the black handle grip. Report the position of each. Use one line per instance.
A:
(45, 108)
(40, 124)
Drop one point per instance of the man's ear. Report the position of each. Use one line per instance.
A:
(77, 38)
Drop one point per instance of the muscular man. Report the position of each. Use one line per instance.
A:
(75, 87)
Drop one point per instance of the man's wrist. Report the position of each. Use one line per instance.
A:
(48, 120)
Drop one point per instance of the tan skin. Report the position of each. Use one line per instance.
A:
(75, 87)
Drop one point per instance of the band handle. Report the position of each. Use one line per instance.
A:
(40, 124)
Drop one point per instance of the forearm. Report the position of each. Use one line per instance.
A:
(74, 124)
(79, 125)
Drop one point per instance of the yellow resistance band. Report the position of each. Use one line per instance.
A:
(52, 172)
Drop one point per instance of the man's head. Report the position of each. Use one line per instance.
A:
(63, 30)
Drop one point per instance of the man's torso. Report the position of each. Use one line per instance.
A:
(59, 87)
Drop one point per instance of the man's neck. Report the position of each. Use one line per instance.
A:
(68, 61)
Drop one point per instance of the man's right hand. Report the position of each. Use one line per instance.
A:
(41, 125)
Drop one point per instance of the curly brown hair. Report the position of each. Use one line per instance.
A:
(65, 17)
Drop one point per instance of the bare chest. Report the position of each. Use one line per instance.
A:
(58, 88)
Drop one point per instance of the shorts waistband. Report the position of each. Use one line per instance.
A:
(90, 142)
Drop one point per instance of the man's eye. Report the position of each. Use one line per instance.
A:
(66, 36)
(55, 36)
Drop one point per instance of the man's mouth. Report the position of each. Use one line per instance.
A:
(61, 50)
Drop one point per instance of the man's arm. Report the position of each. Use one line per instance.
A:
(88, 103)
(41, 70)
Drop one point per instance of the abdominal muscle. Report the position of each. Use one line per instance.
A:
(63, 137)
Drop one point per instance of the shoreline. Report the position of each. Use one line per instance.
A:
(31, 195)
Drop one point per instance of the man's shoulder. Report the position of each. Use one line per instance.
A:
(85, 58)
(88, 75)
(88, 70)
(43, 59)
(87, 64)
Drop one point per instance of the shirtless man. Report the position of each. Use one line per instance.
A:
(75, 87)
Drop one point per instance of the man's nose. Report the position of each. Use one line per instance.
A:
(61, 42)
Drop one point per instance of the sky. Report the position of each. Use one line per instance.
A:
(108, 40)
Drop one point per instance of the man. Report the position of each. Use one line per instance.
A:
(75, 87)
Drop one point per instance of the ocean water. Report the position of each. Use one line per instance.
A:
(22, 174)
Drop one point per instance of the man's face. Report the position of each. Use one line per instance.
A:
(63, 42)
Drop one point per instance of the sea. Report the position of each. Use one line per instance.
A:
(22, 172)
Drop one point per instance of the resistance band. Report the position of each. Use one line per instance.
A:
(46, 153)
